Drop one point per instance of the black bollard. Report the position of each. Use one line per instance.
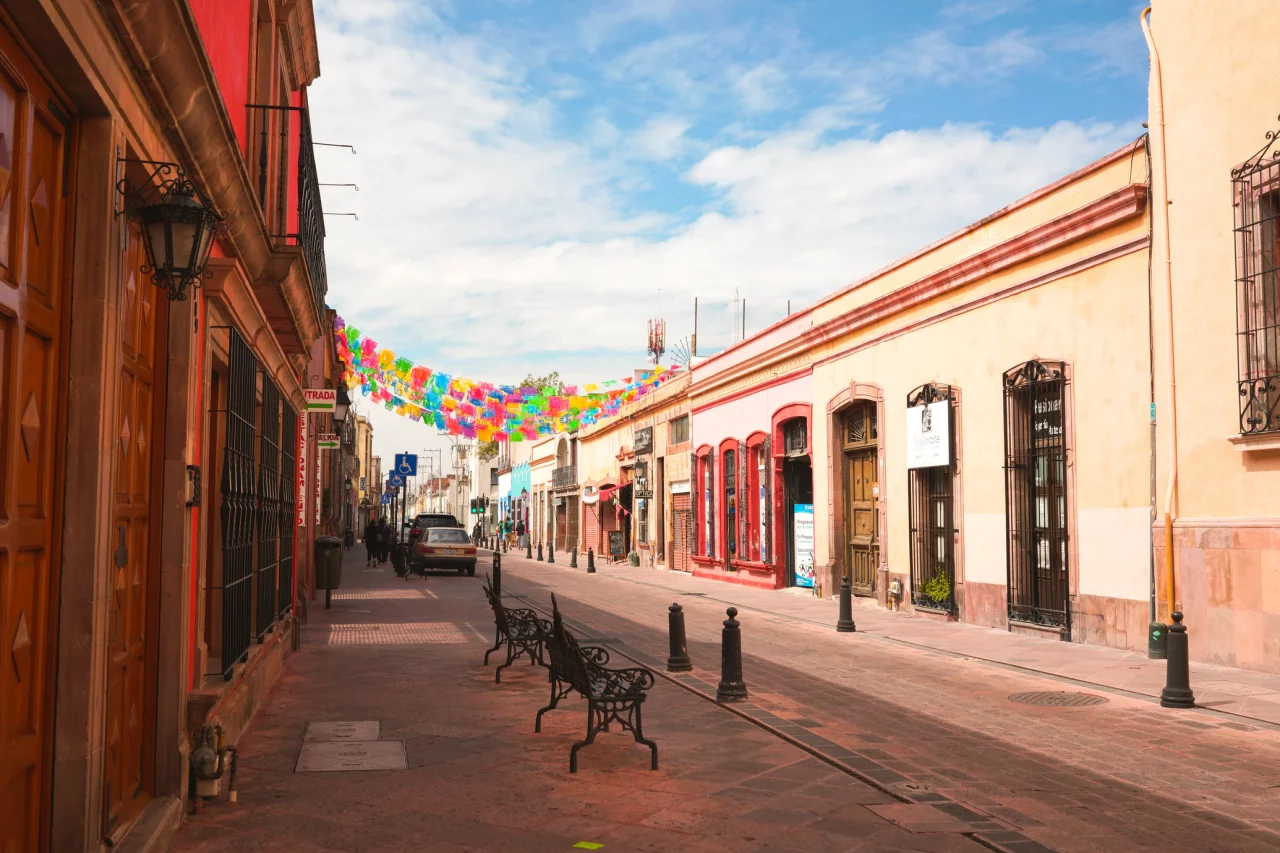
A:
(551, 552)
(573, 558)
(528, 554)
(731, 687)
(539, 552)
(504, 544)
(497, 574)
(591, 562)
(678, 660)
(1177, 682)
(845, 623)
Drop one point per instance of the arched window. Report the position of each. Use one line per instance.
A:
(704, 503)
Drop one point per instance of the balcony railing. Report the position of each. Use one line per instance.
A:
(563, 478)
(273, 133)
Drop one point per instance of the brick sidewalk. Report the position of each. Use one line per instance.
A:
(1245, 693)
(408, 656)
(1124, 775)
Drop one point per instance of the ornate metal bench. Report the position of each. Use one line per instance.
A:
(517, 628)
(613, 695)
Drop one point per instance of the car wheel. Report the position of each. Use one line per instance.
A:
(471, 572)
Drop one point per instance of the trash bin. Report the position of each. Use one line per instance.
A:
(328, 566)
(349, 539)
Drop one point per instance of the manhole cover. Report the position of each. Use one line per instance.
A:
(1058, 700)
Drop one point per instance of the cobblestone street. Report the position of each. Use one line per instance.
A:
(847, 742)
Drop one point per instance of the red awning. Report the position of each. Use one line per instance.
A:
(607, 492)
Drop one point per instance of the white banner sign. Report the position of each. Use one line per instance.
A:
(928, 439)
(320, 399)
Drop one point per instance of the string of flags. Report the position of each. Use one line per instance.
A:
(481, 410)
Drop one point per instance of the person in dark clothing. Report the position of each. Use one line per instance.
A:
(372, 547)
(520, 533)
(384, 539)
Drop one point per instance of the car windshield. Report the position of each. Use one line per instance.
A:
(447, 535)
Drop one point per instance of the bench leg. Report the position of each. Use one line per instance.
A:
(511, 656)
(497, 644)
(591, 737)
(638, 731)
(556, 696)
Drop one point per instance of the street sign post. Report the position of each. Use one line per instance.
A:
(386, 497)
(396, 481)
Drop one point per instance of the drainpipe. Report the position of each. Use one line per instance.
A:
(1157, 124)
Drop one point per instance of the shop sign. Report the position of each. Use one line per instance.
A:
(616, 545)
(802, 536)
(318, 490)
(641, 482)
(1047, 423)
(327, 441)
(681, 488)
(301, 457)
(928, 435)
(320, 400)
(642, 442)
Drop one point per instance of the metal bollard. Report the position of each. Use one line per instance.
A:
(1177, 682)
(528, 554)
(845, 623)
(573, 558)
(504, 544)
(731, 687)
(551, 552)
(591, 562)
(497, 574)
(678, 660)
(539, 552)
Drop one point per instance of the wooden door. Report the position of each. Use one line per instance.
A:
(861, 496)
(130, 704)
(33, 215)
(681, 532)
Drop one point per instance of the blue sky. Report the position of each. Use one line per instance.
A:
(539, 178)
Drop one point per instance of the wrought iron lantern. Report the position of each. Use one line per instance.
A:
(178, 226)
(340, 406)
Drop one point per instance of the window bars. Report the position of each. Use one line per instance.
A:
(268, 509)
(931, 510)
(238, 504)
(287, 507)
(1256, 187)
(1036, 494)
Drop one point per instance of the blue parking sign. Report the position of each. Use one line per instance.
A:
(407, 464)
(386, 498)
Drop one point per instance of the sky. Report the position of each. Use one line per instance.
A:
(539, 178)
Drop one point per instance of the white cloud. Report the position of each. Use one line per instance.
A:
(662, 138)
(978, 11)
(606, 22)
(760, 88)
(498, 247)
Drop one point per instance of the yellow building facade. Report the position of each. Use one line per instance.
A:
(1213, 118)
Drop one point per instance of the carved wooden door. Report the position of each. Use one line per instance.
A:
(33, 215)
(130, 705)
(861, 496)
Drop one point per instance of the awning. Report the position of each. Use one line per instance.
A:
(607, 492)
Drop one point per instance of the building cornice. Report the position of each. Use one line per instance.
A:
(1107, 212)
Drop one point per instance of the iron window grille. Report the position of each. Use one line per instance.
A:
(730, 504)
(931, 511)
(794, 438)
(239, 501)
(1036, 494)
(268, 509)
(1256, 187)
(288, 507)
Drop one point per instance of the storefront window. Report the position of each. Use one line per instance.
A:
(642, 518)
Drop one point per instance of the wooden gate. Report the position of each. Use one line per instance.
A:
(861, 499)
(130, 701)
(33, 216)
(681, 532)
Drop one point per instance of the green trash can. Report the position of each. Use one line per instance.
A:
(328, 566)
(1157, 641)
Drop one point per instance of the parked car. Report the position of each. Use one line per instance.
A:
(427, 520)
(444, 548)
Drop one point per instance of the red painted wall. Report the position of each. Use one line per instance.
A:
(226, 27)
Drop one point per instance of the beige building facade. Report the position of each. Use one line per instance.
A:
(1213, 117)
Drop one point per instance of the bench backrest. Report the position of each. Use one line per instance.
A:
(499, 612)
(569, 660)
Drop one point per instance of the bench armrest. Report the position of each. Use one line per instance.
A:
(620, 682)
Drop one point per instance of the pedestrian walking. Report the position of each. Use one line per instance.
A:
(520, 533)
(384, 540)
(371, 547)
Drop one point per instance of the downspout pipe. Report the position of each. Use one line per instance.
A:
(1161, 203)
